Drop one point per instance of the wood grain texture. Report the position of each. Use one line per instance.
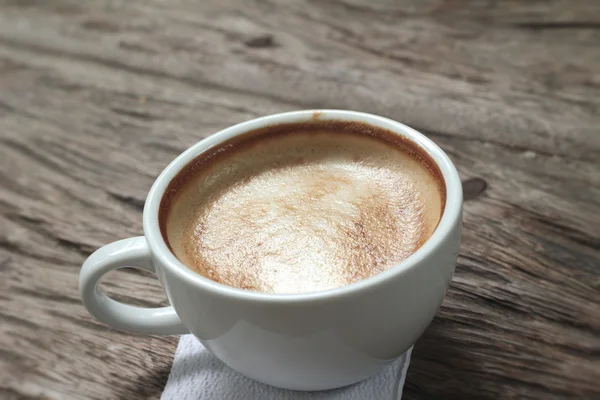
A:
(97, 97)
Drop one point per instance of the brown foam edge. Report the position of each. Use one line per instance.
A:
(252, 138)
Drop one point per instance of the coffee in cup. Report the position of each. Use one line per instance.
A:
(302, 207)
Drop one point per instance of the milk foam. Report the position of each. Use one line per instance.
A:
(303, 211)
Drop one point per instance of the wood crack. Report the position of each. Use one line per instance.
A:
(551, 224)
(144, 116)
(65, 243)
(46, 295)
(109, 63)
(129, 201)
(511, 147)
(557, 25)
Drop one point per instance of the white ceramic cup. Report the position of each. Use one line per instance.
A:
(311, 341)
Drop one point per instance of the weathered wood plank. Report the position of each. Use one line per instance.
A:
(97, 97)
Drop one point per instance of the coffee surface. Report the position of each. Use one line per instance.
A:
(301, 208)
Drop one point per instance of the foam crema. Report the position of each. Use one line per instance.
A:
(302, 207)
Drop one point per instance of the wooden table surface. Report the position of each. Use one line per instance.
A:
(97, 97)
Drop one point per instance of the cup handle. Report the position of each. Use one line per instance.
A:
(132, 252)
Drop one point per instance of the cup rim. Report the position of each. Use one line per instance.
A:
(451, 212)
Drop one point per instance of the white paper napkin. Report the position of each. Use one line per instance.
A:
(198, 375)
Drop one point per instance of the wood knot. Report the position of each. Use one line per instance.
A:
(473, 188)
(262, 41)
